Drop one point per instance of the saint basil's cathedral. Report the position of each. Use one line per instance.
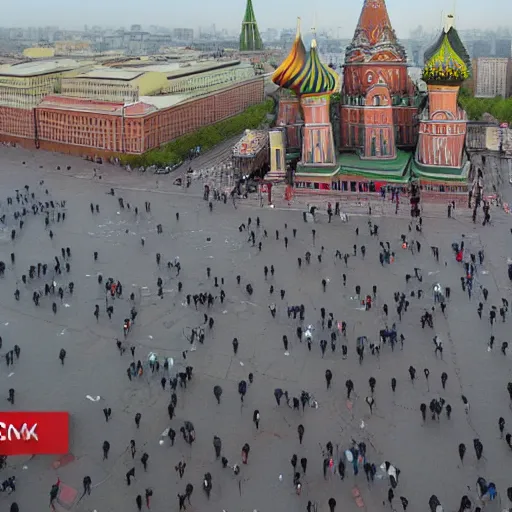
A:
(388, 134)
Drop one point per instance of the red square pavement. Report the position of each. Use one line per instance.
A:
(67, 496)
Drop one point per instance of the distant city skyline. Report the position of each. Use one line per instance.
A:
(342, 16)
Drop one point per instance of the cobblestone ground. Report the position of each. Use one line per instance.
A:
(426, 452)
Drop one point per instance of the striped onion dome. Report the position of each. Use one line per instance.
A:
(317, 78)
(286, 74)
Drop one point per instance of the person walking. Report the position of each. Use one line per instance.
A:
(87, 485)
(106, 448)
(217, 445)
(328, 378)
(350, 387)
(245, 453)
(256, 418)
(300, 431)
(462, 451)
(129, 475)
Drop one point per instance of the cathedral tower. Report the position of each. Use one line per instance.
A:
(442, 130)
(378, 97)
(313, 83)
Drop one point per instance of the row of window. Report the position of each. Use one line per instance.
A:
(443, 129)
(371, 187)
(173, 124)
(15, 124)
(109, 92)
(38, 81)
(453, 189)
(403, 135)
(89, 130)
(186, 84)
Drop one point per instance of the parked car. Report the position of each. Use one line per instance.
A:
(168, 168)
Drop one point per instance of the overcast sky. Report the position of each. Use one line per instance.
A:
(405, 14)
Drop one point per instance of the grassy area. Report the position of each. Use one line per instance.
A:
(206, 137)
(498, 107)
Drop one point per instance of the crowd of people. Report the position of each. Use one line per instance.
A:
(324, 332)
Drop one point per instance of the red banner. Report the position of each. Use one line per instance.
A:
(31, 433)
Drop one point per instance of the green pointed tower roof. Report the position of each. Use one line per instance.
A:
(250, 39)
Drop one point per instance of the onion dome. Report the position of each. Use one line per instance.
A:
(316, 78)
(447, 59)
(286, 74)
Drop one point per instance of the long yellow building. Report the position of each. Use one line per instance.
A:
(24, 85)
(114, 84)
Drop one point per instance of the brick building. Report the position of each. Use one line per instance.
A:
(81, 122)
(23, 86)
(97, 128)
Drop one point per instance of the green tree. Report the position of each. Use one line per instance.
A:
(498, 107)
(206, 137)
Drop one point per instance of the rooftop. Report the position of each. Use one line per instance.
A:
(440, 173)
(106, 73)
(177, 69)
(350, 164)
(163, 67)
(39, 67)
(165, 101)
(203, 67)
(60, 102)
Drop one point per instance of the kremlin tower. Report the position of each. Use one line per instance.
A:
(250, 39)
(379, 100)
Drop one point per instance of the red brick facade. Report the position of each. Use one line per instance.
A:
(359, 94)
(85, 127)
(17, 122)
(378, 97)
(442, 134)
(289, 117)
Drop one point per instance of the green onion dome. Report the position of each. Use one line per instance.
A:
(317, 78)
(447, 60)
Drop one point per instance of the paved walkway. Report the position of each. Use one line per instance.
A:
(426, 452)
